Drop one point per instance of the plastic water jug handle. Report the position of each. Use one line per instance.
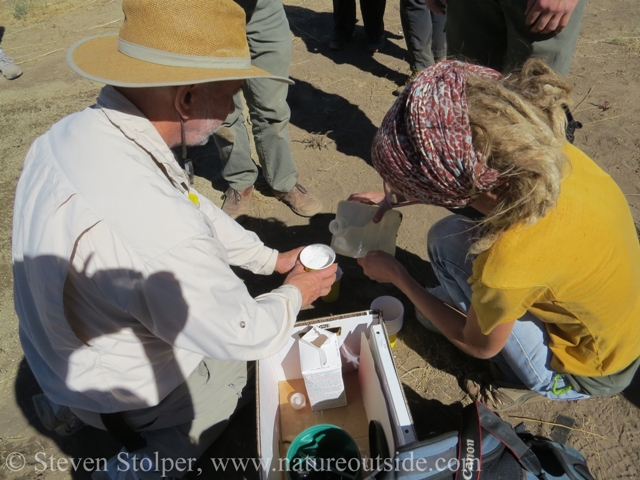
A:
(338, 225)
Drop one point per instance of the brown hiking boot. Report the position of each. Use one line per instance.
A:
(301, 201)
(237, 202)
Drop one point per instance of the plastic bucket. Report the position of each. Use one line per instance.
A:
(392, 315)
(324, 452)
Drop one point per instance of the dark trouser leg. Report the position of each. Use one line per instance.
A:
(417, 28)
(438, 36)
(344, 17)
(476, 32)
(373, 16)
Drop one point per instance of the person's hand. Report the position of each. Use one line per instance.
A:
(311, 284)
(381, 267)
(287, 260)
(437, 6)
(372, 198)
(546, 16)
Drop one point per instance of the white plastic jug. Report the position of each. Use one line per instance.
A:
(354, 234)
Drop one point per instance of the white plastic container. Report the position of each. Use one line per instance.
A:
(354, 234)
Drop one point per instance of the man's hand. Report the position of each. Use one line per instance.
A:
(311, 284)
(372, 198)
(546, 16)
(287, 260)
(382, 267)
(437, 6)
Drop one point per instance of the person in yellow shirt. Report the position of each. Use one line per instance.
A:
(547, 283)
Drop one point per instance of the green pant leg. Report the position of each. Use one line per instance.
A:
(233, 144)
(269, 39)
(555, 50)
(476, 32)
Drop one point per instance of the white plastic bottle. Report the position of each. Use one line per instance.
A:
(354, 234)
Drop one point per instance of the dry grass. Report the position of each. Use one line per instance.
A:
(631, 44)
(316, 141)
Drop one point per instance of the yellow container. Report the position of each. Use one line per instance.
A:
(334, 293)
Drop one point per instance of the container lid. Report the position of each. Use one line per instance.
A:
(317, 256)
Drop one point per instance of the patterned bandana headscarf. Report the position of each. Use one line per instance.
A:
(424, 148)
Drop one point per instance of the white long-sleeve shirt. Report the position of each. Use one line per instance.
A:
(122, 284)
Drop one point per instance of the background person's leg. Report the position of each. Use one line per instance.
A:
(344, 17)
(526, 356)
(438, 36)
(373, 19)
(417, 28)
(232, 140)
(270, 43)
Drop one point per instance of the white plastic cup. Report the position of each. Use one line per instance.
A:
(392, 315)
(317, 257)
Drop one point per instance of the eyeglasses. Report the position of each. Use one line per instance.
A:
(396, 200)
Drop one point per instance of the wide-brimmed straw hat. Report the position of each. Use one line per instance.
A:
(170, 42)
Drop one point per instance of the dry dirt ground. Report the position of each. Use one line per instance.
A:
(338, 101)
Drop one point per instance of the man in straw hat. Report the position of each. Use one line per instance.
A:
(130, 314)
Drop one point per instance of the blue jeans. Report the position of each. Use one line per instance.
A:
(525, 359)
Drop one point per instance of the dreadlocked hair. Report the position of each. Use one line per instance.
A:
(518, 123)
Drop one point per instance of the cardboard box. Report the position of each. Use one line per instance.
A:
(370, 379)
(321, 367)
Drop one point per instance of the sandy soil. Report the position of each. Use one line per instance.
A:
(338, 101)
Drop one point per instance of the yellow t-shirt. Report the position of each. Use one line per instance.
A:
(577, 269)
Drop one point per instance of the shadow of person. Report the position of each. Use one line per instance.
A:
(315, 29)
(432, 417)
(333, 116)
(357, 291)
(312, 110)
(632, 392)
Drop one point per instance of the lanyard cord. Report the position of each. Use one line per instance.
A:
(188, 164)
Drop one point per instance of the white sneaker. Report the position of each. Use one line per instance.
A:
(9, 69)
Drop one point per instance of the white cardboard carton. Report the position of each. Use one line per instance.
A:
(366, 360)
(321, 367)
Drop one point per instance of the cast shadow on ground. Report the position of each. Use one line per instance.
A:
(312, 110)
(632, 392)
(315, 29)
(432, 417)
(330, 115)
(356, 290)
